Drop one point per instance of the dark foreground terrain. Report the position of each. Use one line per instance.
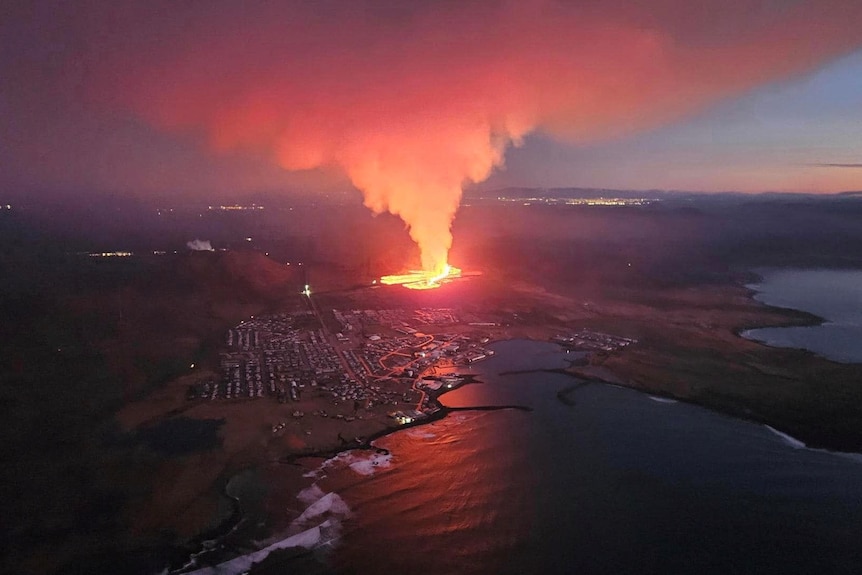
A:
(96, 351)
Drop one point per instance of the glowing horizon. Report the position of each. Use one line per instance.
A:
(409, 101)
(412, 110)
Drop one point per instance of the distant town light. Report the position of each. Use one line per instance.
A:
(235, 208)
(597, 201)
(111, 254)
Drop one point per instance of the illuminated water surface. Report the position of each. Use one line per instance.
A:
(616, 483)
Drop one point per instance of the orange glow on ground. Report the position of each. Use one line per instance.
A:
(419, 279)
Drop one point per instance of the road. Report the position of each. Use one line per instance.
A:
(332, 341)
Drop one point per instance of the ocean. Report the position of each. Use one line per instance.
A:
(611, 481)
(834, 295)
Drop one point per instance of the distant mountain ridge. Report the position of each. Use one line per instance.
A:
(539, 192)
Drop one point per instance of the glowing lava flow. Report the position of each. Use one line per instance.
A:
(422, 279)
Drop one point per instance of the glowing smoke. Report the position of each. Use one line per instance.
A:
(412, 102)
(200, 245)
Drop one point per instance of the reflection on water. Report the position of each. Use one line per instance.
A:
(834, 295)
(616, 483)
(426, 513)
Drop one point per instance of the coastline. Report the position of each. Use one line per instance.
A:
(588, 376)
(309, 538)
(802, 318)
(669, 397)
(833, 443)
(682, 358)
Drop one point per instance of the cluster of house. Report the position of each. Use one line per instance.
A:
(270, 356)
(388, 391)
(587, 340)
(356, 319)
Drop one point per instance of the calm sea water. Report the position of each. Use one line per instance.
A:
(617, 483)
(835, 295)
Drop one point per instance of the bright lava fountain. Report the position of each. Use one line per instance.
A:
(423, 279)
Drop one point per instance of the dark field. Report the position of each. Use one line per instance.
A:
(93, 349)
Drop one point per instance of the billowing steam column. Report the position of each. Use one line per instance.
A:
(417, 176)
(412, 108)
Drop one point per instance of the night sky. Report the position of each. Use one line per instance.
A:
(200, 97)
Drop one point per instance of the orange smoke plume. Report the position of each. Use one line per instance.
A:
(412, 101)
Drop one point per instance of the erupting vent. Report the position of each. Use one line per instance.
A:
(423, 279)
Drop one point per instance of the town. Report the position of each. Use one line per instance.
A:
(392, 361)
(378, 358)
(593, 341)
